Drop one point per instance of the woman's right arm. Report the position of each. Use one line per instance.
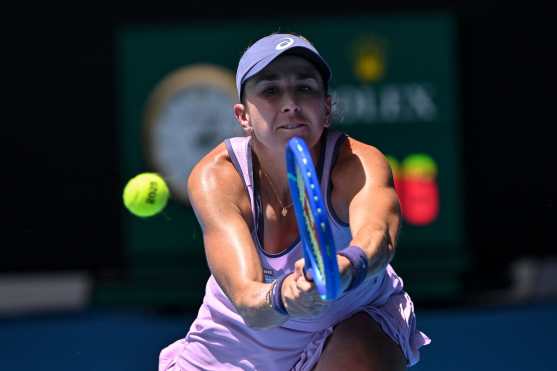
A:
(218, 197)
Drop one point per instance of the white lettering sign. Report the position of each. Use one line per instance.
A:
(392, 103)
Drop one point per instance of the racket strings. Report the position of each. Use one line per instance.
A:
(310, 223)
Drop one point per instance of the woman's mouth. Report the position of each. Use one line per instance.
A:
(291, 126)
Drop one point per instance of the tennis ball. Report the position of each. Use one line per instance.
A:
(145, 194)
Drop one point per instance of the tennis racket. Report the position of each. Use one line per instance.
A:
(313, 223)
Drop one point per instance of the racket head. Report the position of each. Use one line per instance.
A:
(312, 219)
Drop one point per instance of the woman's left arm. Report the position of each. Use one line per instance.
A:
(370, 204)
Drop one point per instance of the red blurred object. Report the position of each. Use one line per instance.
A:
(419, 200)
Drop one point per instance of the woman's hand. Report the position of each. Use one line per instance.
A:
(300, 296)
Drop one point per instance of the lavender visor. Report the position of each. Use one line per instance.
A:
(267, 49)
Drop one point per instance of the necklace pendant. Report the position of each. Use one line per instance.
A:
(284, 211)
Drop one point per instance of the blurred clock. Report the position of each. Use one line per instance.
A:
(188, 113)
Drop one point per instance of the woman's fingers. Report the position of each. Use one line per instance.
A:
(300, 295)
(301, 269)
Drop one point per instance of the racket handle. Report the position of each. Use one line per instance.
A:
(308, 274)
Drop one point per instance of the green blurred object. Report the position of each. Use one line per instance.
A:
(419, 165)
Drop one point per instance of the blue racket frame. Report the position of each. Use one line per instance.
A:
(298, 155)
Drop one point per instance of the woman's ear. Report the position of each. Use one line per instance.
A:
(242, 116)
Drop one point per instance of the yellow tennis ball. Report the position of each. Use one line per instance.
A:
(145, 194)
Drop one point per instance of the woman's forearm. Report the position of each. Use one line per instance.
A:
(378, 248)
(256, 308)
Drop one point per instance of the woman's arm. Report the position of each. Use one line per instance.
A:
(368, 202)
(221, 204)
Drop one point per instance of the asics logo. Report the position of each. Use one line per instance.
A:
(284, 43)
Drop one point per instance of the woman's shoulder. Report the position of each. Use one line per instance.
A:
(355, 156)
(215, 187)
(214, 173)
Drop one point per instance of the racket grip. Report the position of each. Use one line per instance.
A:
(308, 274)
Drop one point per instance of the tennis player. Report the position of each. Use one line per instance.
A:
(260, 312)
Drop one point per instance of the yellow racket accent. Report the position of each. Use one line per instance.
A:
(310, 223)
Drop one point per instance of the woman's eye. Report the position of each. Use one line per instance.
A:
(306, 89)
(270, 90)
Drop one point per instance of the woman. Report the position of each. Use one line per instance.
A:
(259, 311)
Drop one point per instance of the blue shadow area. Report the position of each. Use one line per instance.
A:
(98, 341)
(502, 338)
(518, 338)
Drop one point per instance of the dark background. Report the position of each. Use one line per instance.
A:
(61, 141)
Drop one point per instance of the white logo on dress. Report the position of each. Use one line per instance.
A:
(284, 43)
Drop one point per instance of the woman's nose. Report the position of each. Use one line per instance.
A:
(289, 104)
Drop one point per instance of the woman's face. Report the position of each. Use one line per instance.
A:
(284, 100)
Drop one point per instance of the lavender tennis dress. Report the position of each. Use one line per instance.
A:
(218, 339)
